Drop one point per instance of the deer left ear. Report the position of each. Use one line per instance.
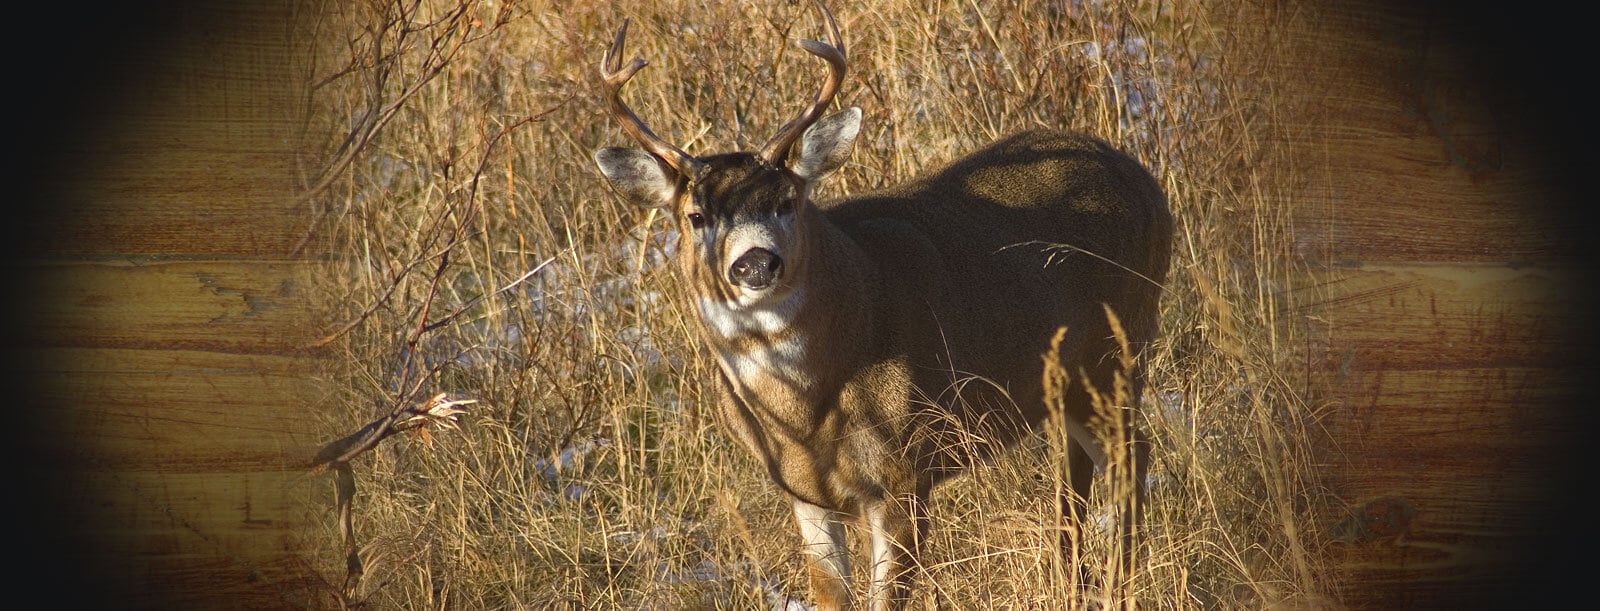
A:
(827, 144)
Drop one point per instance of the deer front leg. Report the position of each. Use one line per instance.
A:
(826, 555)
(897, 526)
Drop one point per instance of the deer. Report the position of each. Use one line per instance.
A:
(860, 341)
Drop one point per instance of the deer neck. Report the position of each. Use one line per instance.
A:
(786, 358)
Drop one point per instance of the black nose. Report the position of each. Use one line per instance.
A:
(755, 268)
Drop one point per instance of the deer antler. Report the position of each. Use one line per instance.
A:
(614, 75)
(776, 151)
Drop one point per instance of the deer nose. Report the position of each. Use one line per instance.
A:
(755, 268)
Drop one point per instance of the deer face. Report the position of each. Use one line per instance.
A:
(738, 219)
(741, 229)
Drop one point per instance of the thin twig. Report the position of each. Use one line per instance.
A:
(446, 319)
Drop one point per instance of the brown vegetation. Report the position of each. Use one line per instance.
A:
(472, 249)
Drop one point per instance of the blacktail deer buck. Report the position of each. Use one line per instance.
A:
(873, 346)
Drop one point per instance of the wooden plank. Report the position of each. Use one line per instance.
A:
(193, 540)
(1472, 460)
(177, 411)
(233, 306)
(1452, 294)
(196, 155)
(171, 394)
(1449, 393)
(160, 333)
(1408, 154)
(1443, 316)
(1447, 438)
(229, 185)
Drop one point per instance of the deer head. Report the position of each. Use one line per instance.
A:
(742, 215)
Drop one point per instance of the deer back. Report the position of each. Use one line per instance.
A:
(978, 263)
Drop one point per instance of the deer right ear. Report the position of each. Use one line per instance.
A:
(827, 144)
(637, 175)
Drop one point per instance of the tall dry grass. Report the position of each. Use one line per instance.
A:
(448, 156)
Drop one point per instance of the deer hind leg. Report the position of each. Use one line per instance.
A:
(1127, 467)
(1074, 506)
(1131, 474)
(1127, 474)
(1124, 462)
(897, 526)
(1131, 526)
(826, 555)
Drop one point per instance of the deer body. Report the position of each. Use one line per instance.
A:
(875, 345)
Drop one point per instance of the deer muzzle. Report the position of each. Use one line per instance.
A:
(755, 269)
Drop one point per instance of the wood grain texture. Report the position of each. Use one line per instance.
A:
(1452, 294)
(1418, 150)
(160, 336)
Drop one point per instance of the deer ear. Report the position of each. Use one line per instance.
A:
(826, 145)
(637, 175)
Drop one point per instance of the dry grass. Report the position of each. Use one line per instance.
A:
(449, 156)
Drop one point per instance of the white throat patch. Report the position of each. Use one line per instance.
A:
(763, 317)
(777, 356)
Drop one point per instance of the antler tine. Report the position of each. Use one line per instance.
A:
(776, 151)
(615, 75)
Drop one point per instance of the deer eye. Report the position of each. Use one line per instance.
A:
(696, 220)
(785, 207)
